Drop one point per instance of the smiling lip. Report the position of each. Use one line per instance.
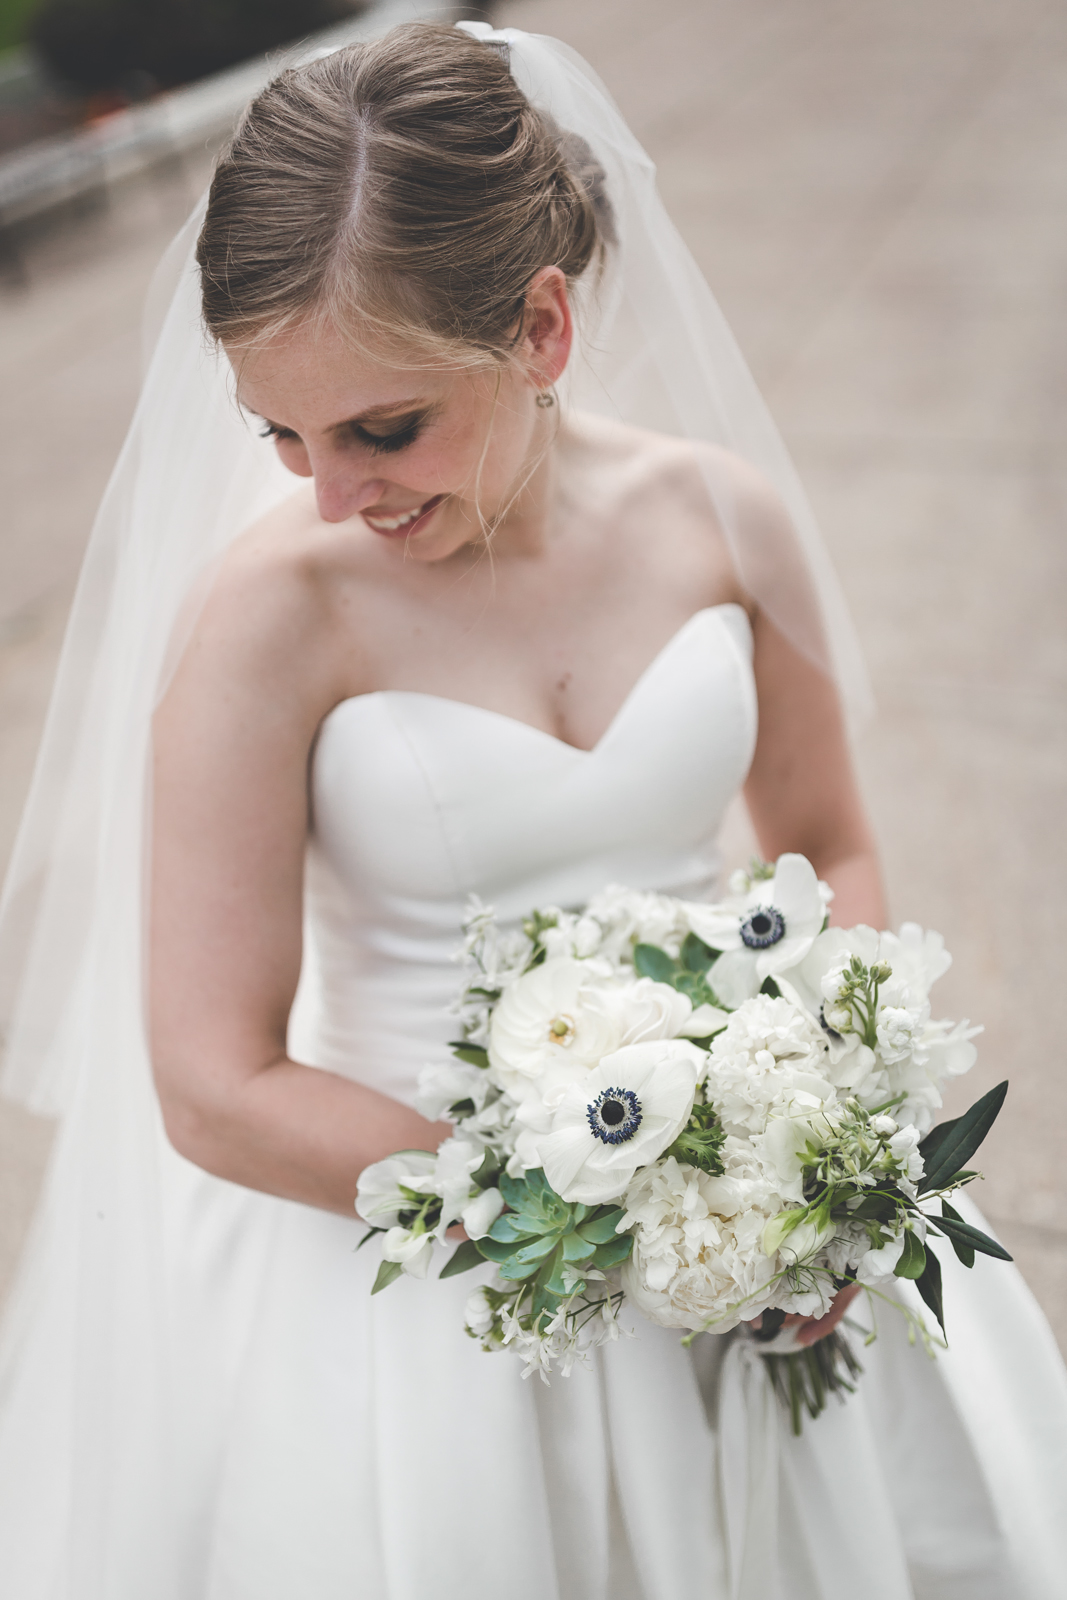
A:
(402, 524)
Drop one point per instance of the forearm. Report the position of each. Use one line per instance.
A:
(859, 895)
(296, 1132)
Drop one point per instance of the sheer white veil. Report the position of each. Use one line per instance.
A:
(192, 473)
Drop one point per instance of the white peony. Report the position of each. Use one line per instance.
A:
(556, 1023)
(618, 1117)
(767, 930)
(698, 1258)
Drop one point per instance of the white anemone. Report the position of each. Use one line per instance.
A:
(623, 1114)
(767, 930)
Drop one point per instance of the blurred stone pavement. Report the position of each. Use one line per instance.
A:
(875, 193)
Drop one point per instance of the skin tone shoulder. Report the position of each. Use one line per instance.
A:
(456, 539)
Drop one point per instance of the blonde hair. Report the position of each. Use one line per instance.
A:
(403, 189)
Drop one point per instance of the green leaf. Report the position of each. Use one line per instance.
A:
(516, 1191)
(461, 1108)
(876, 1207)
(929, 1286)
(652, 962)
(536, 1249)
(496, 1249)
(912, 1263)
(553, 1280)
(513, 1226)
(599, 1229)
(370, 1235)
(696, 955)
(964, 1251)
(475, 1055)
(575, 1248)
(955, 1148)
(616, 1250)
(516, 1271)
(490, 1166)
(963, 1232)
(467, 1256)
(388, 1273)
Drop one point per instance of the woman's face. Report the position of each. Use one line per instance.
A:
(421, 455)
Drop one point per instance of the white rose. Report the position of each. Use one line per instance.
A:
(561, 1019)
(622, 1115)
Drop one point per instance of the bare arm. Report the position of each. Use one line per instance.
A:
(801, 790)
(232, 739)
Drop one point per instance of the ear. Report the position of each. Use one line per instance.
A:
(549, 327)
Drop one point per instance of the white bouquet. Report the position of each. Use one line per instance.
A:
(720, 1113)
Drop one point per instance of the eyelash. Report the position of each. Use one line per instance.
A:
(378, 444)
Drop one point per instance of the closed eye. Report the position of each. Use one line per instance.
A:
(398, 439)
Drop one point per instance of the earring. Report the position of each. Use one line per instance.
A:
(545, 399)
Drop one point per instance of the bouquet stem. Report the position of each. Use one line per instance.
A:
(804, 1378)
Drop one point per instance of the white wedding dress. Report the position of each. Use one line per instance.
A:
(324, 1445)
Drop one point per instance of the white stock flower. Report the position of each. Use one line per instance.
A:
(698, 1257)
(557, 1022)
(883, 1124)
(412, 1251)
(621, 1115)
(904, 1148)
(896, 1028)
(477, 1313)
(378, 1198)
(629, 916)
(767, 930)
(768, 1057)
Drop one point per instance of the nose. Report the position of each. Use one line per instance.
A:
(342, 486)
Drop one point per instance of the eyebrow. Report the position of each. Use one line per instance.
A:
(387, 413)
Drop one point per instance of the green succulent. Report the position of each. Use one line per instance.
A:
(539, 1236)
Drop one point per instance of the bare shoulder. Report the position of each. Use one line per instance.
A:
(263, 620)
(685, 488)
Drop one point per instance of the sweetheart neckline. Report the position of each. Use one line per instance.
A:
(517, 722)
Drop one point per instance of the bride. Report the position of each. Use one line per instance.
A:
(509, 638)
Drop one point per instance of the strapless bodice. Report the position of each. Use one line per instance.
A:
(419, 802)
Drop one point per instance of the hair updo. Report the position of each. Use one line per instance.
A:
(403, 189)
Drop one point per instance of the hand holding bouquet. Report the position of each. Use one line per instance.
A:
(720, 1113)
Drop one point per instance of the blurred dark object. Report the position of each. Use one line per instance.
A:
(32, 103)
(130, 48)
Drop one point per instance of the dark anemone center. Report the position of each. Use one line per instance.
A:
(763, 927)
(613, 1112)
